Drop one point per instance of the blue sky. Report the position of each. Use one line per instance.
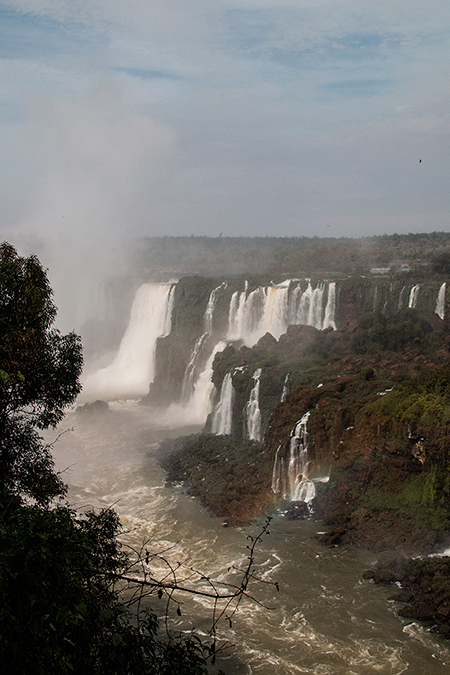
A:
(241, 117)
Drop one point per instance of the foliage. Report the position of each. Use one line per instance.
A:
(421, 402)
(39, 375)
(60, 607)
(71, 600)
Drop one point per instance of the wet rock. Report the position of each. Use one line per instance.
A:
(404, 596)
(297, 511)
(94, 407)
(333, 538)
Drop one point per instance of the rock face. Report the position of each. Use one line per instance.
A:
(425, 583)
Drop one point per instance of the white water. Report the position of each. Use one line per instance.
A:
(324, 621)
(191, 372)
(210, 307)
(200, 404)
(132, 370)
(440, 302)
(284, 393)
(271, 309)
(413, 296)
(290, 476)
(223, 414)
(252, 411)
(300, 487)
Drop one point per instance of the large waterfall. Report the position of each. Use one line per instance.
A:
(132, 370)
(271, 309)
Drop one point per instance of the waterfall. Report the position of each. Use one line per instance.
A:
(223, 415)
(291, 478)
(252, 411)
(307, 307)
(191, 368)
(301, 489)
(285, 388)
(210, 307)
(191, 371)
(132, 370)
(330, 309)
(278, 485)
(375, 298)
(440, 302)
(271, 309)
(401, 298)
(413, 296)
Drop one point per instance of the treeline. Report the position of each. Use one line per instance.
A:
(311, 256)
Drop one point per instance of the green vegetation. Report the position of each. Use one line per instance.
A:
(61, 573)
(310, 256)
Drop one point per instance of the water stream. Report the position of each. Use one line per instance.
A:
(325, 620)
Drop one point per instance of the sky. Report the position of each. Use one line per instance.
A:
(123, 118)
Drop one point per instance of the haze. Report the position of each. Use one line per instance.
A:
(235, 117)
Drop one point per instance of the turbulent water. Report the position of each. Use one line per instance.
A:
(325, 620)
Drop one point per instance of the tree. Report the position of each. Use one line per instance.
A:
(62, 574)
(39, 376)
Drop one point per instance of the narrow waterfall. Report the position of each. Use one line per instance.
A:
(301, 489)
(413, 296)
(190, 374)
(278, 474)
(132, 370)
(223, 415)
(440, 302)
(210, 307)
(285, 388)
(236, 314)
(197, 356)
(199, 405)
(375, 299)
(330, 309)
(401, 298)
(252, 411)
(290, 476)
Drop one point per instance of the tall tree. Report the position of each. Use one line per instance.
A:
(39, 376)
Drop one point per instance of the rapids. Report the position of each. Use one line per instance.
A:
(325, 620)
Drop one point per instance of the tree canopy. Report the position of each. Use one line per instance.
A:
(62, 574)
(39, 375)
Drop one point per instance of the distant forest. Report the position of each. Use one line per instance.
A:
(299, 256)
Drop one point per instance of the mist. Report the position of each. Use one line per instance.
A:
(99, 166)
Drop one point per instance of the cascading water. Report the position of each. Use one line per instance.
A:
(252, 411)
(301, 489)
(440, 302)
(210, 307)
(132, 370)
(290, 475)
(401, 299)
(330, 309)
(284, 393)
(413, 296)
(190, 374)
(271, 309)
(223, 415)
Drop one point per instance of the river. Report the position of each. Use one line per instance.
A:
(325, 619)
